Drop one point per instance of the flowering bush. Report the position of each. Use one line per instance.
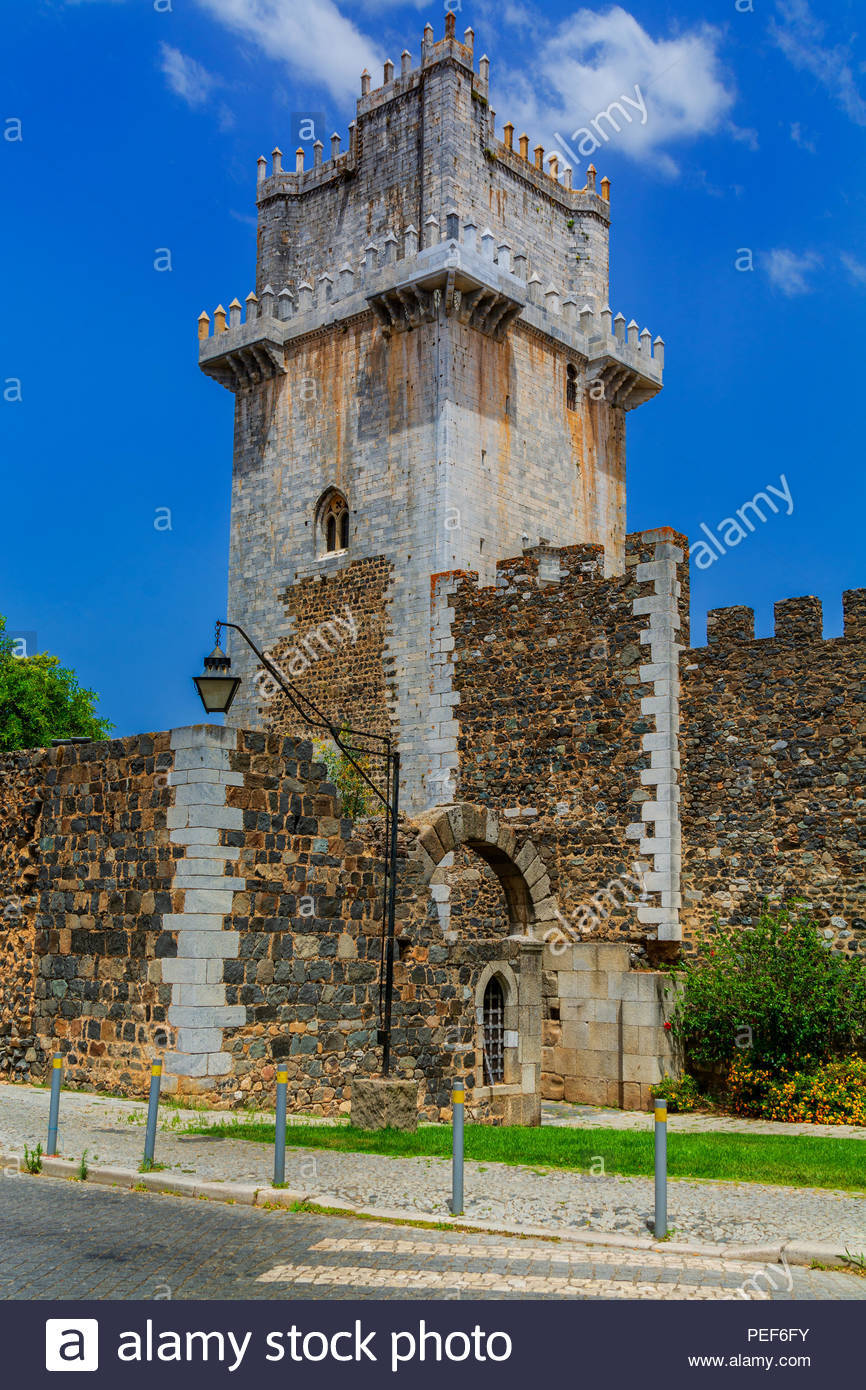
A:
(681, 1095)
(833, 1095)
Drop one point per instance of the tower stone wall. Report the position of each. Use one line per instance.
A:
(430, 338)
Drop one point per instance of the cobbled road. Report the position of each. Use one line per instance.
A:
(62, 1240)
(111, 1132)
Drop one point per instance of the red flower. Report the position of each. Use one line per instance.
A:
(667, 1026)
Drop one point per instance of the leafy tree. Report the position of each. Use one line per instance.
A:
(357, 798)
(41, 700)
(773, 995)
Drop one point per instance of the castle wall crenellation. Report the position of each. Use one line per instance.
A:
(393, 88)
(424, 142)
(352, 286)
(796, 619)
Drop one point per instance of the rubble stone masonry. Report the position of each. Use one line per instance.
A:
(773, 769)
(87, 865)
(724, 776)
(562, 726)
(198, 894)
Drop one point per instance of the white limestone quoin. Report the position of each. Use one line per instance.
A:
(443, 728)
(202, 776)
(659, 830)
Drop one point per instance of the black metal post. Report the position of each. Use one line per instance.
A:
(392, 900)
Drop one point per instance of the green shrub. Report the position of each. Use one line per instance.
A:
(681, 1095)
(772, 994)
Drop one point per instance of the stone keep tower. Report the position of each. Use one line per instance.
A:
(428, 379)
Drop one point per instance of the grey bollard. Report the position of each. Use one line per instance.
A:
(152, 1111)
(280, 1134)
(660, 1108)
(458, 1096)
(54, 1106)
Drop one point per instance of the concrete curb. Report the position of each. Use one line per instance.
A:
(796, 1252)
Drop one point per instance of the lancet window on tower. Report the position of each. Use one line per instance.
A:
(333, 524)
(571, 386)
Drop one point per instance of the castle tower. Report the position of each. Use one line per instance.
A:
(427, 379)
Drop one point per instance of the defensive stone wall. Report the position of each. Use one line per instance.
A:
(773, 769)
(567, 721)
(580, 708)
(199, 894)
(86, 864)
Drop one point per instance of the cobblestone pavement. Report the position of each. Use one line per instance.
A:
(557, 1112)
(742, 1213)
(65, 1240)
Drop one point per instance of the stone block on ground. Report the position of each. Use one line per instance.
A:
(383, 1103)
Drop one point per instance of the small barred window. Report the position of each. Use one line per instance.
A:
(494, 1033)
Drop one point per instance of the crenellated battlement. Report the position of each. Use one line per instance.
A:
(544, 564)
(408, 279)
(542, 171)
(424, 142)
(797, 621)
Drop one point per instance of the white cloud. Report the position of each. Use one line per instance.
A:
(593, 60)
(185, 77)
(314, 40)
(801, 36)
(377, 6)
(788, 270)
(856, 269)
(800, 138)
(744, 134)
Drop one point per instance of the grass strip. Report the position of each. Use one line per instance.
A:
(782, 1160)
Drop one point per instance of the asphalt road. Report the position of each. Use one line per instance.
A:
(65, 1240)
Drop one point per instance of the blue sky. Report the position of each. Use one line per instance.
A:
(130, 131)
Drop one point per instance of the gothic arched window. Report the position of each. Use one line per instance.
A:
(333, 524)
(571, 387)
(494, 1032)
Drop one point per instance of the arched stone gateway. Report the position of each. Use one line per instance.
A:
(516, 863)
(496, 1010)
(565, 1018)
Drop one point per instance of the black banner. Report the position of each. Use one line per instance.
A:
(420, 1344)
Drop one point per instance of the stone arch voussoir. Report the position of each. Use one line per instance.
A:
(514, 859)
